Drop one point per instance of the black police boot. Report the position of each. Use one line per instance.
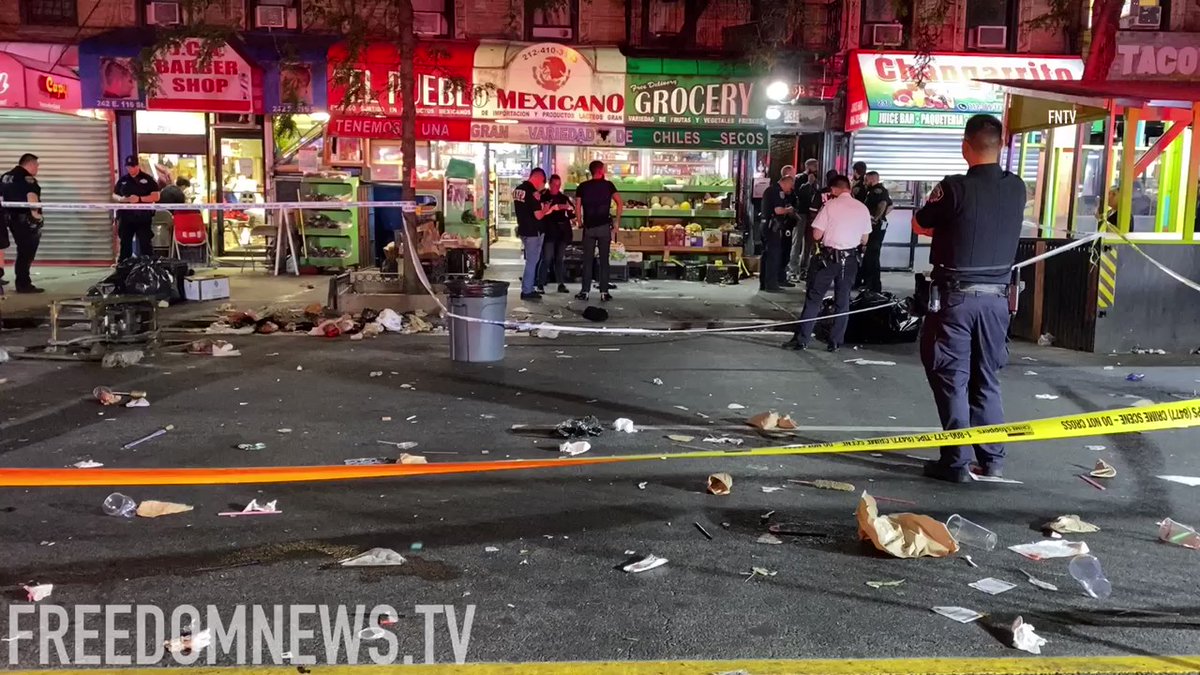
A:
(562, 288)
(993, 470)
(30, 289)
(935, 469)
(582, 295)
(531, 296)
(792, 344)
(832, 347)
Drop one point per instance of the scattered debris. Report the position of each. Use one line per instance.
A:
(703, 531)
(38, 592)
(1070, 524)
(770, 488)
(657, 382)
(143, 439)
(825, 484)
(572, 448)
(959, 614)
(283, 431)
(904, 535)
(1050, 548)
(720, 484)
(87, 464)
(544, 333)
(401, 445)
(1045, 340)
(255, 509)
(1025, 639)
(1086, 570)
(970, 534)
(1091, 482)
(970, 562)
(736, 406)
(1095, 448)
(117, 504)
(252, 446)
(679, 407)
(375, 373)
(406, 458)
(208, 347)
(625, 425)
(376, 557)
(123, 359)
(576, 427)
(769, 538)
(645, 564)
(366, 461)
(152, 508)
(1135, 377)
(491, 549)
(1179, 534)
(772, 421)
(724, 440)
(1190, 481)
(1141, 350)
(885, 584)
(869, 362)
(681, 438)
(188, 644)
(992, 585)
(984, 478)
(1104, 470)
(1044, 585)
(1047, 397)
(642, 485)
(759, 572)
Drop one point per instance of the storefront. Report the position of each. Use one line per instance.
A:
(909, 128)
(203, 123)
(40, 114)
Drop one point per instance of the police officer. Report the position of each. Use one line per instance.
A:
(779, 214)
(975, 221)
(806, 187)
(879, 204)
(858, 181)
(20, 185)
(135, 187)
(842, 228)
(787, 235)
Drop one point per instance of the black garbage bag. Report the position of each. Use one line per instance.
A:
(577, 427)
(143, 275)
(890, 324)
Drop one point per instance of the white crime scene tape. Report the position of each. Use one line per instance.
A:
(266, 206)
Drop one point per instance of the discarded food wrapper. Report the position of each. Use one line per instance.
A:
(768, 538)
(138, 403)
(1025, 639)
(759, 572)
(572, 448)
(885, 584)
(1135, 377)
(153, 509)
(252, 446)
(904, 535)
(624, 424)
(1044, 585)
(984, 478)
(189, 643)
(959, 614)
(1104, 470)
(366, 461)
(1179, 534)
(255, 509)
(770, 488)
(681, 438)
(38, 592)
(1050, 548)
(376, 557)
(400, 445)
(1047, 397)
(720, 484)
(406, 458)
(772, 421)
(869, 362)
(825, 484)
(87, 464)
(724, 440)
(491, 549)
(992, 586)
(1070, 524)
(736, 406)
(544, 333)
(645, 564)
(657, 382)
(577, 427)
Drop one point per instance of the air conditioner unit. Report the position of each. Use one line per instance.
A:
(1147, 18)
(164, 14)
(887, 35)
(428, 23)
(271, 16)
(988, 37)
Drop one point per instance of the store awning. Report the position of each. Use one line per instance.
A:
(294, 71)
(230, 83)
(1038, 105)
(33, 85)
(444, 74)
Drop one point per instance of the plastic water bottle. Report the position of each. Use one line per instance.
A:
(118, 504)
(1086, 570)
(967, 533)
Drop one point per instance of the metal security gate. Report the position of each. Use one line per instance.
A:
(75, 166)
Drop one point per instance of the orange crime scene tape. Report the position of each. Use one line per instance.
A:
(1163, 416)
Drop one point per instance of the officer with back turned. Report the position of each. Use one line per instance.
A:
(21, 185)
(975, 221)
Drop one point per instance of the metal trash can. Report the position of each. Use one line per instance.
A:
(472, 341)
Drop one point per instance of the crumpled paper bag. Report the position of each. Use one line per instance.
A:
(1070, 524)
(904, 535)
(720, 484)
(152, 508)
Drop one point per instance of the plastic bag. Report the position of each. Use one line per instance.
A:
(886, 325)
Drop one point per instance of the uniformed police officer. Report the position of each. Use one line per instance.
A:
(20, 185)
(858, 181)
(778, 214)
(975, 221)
(135, 187)
(879, 204)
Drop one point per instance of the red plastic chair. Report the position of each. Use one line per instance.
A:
(190, 232)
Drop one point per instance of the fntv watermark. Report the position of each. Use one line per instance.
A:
(145, 635)
(1060, 117)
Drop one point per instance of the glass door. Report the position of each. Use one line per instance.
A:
(241, 181)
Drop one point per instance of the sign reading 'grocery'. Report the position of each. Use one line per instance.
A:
(693, 99)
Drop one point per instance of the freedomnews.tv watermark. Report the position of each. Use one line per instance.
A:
(145, 635)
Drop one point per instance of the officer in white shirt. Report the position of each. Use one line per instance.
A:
(841, 227)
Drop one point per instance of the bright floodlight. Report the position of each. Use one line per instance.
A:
(774, 113)
(778, 90)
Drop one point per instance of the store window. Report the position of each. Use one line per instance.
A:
(433, 18)
(885, 24)
(49, 12)
(275, 14)
(551, 19)
(991, 25)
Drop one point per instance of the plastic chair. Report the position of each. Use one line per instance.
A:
(190, 232)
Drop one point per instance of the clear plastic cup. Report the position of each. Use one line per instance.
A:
(1178, 534)
(119, 505)
(1086, 570)
(970, 534)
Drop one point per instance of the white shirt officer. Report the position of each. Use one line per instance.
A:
(842, 223)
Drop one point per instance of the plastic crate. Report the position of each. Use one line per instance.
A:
(618, 272)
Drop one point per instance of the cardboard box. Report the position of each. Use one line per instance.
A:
(654, 238)
(206, 288)
(712, 239)
(629, 237)
(634, 256)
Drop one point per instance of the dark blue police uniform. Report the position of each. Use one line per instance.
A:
(870, 274)
(771, 265)
(133, 223)
(976, 221)
(25, 224)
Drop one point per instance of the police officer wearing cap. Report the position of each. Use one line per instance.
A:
(21, 185)
(858, 181)
(879, 204)
(135, 187)
(975, 221)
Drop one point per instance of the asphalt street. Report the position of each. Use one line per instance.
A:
(551, 590)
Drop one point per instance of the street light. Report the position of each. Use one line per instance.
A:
(774, 113)
(778, 90)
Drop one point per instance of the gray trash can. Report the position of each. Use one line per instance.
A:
(469, 340)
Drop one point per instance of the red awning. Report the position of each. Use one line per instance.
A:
(27, 83)
(1127, 93)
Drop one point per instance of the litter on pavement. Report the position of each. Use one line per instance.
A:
(657, 382)
(825, 484)
(400, 445)
(768, 538)
(759, 572)
(959, 614)
(992, 586)
(252, 446)
(376, 557)
(187, 644)
(1104, 470)
(624, 425)
(117, 504)
(1135, 377)
(1070, 524)
(255, 509)
(138, 403)
(736, 406)
(1190, 481)
(1046, 397)
(148, 437)
(703, 531)
(904, 535)
(869, 362)
(1091, 482)
(681, 438)
(645, 564)
(967, 533)
(577, 427)
(1044, 585)
(406, 458)
(1179, 534)
(38, 592)
(720, 484)
(366, 461)
(208, 347)
(1025, 639)
(770, 488)
(984, 478)
(572, 448)
(724, 440)
(1086, 570)
(1050, 548)
(152, 508)
(885, 584)
(772, 421)
(1096, 448)
(87, 464)
(123, 359)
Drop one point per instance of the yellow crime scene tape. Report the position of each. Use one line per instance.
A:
(1163, 416)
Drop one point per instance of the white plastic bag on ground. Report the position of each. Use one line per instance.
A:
(391, 321)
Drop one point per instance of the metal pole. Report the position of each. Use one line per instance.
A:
(1076, 161)
(1133, 118)
(1193, 178)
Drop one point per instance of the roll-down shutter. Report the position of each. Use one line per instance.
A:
(924, 154)
(75, 165)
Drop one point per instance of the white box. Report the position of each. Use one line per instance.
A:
(206, 288)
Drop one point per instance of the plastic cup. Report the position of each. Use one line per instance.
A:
(1086, 570)
(119, 505)
(1179, 534)
(970, 534)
